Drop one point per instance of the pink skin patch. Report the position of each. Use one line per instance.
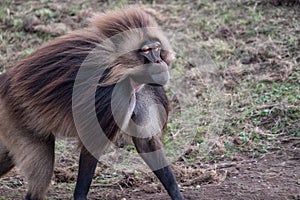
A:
(136, 86)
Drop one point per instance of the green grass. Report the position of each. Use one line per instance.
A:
(258, 108)
(230, 31)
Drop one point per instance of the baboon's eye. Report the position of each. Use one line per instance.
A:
(145, 49)
(156, 47)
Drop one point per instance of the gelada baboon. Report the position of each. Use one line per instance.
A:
(37, 99)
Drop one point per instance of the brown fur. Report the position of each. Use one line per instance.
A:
(36, 94)
(40, 86)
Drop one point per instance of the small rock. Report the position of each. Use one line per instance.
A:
(29, 22)
(246, 60)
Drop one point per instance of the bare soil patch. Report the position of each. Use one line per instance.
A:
(274, 175)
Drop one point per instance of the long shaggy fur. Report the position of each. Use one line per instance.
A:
(38, 90)
(36, 94)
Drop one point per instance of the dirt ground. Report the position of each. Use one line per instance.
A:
(274, 175)
(240, 174)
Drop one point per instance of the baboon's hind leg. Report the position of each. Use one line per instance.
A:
(6, 161)
(36, 161)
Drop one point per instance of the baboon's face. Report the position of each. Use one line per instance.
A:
(150, 66)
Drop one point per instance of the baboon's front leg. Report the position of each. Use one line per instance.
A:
(150, 149)
(87, 166)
